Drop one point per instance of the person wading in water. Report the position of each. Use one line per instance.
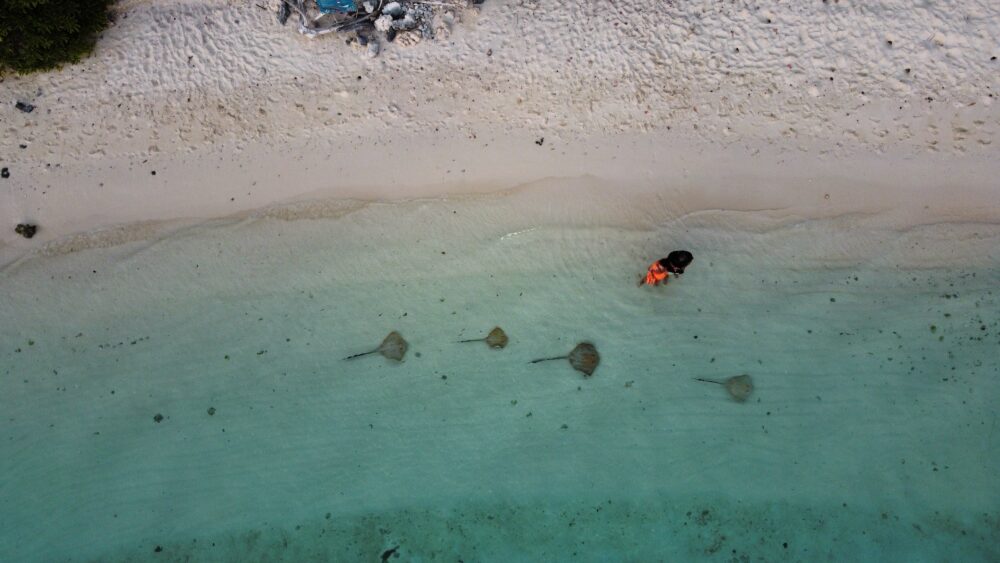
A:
(659, 272)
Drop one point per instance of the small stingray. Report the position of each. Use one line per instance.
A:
(739, 386)
(393, 347)
(495, 339)
(583, 358)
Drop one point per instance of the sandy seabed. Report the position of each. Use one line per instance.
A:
(196, 401)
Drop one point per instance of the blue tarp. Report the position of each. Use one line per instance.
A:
(327, 6)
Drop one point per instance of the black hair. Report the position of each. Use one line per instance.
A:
(676, 261)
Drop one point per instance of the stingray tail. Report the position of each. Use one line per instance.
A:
(547, 359)
(359, 355)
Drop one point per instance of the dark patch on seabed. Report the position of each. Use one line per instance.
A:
(606, 530)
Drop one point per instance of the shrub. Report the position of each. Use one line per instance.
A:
(43, 34)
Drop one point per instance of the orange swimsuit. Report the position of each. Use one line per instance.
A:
(656, 274)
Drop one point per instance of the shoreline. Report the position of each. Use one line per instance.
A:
(731, 109)
(129, 203)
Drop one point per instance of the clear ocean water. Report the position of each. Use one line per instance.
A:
(184, 398)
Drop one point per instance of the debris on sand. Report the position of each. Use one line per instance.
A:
(388, 553)
(376, 21)
(26, 230)
(284, 11)
(24, 106)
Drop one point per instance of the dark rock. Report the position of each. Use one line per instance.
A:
(26, 230)
(158, 549)
(388, 553)
(390, 35)
(5, 172)
(211, 411)
(158, 418)
(25, 107)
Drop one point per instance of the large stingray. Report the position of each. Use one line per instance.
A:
(584, 358)
(739, 386)
(393, 347)
(495, 339)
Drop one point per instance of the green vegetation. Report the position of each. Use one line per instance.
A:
(43, 34)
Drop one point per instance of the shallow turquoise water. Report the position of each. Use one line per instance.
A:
(871, 434)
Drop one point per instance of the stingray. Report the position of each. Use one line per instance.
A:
(739, 386)
(495, 339)
(393, 347)
(583, 358)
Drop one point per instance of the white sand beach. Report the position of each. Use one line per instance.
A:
(227, 208)
(714, 102)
